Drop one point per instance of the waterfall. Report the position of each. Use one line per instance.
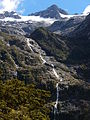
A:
(57, 99)
(56, 103)
(55, 73)
(29, 45)
(57, 86)
(44, 61)
(36, 48)
(57, 93)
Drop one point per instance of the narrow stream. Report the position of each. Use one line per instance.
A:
(44, 61)
(28, 43)
(57, 98)
(57, 86)
(56, 75)
(55, 106)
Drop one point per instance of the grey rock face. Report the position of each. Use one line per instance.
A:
(51, 12)
(83, 28)
(20, 28)
(66, 25)
(9, 14)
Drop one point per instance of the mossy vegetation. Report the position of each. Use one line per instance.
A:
(22, 102)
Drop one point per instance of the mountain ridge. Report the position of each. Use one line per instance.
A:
(51, 12)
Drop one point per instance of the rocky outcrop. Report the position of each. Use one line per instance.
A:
(66, 26)
(9, 14)
(51, 12)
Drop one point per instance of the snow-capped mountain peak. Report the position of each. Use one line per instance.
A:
(51, 12)
(87, 10)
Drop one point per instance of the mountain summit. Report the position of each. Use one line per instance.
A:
(51, 12)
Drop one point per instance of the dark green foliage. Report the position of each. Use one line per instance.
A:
(51, 43)
(21, 102)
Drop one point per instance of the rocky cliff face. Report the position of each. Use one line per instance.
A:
(9, 14)
(66, 26)
(51, 12)
(79, 41)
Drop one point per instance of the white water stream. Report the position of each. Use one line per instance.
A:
(57, 98)
(55, 106)
(54, 72)
(57, 85)
(29, 45)
(44, 61)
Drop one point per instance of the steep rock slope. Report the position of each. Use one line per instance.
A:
(51, 43)
(72, 49)
(79, 41)
(70, 97)
(51, 12)
(66, 26)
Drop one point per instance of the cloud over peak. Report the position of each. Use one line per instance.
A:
(9, 5)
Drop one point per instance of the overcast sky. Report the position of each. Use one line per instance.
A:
(29, 6)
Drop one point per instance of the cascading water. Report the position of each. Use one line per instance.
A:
(29, 45)
(55, 106)
(56, 75)
(57, 92)
(57, 86)
(57, 98)
(44, 61)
